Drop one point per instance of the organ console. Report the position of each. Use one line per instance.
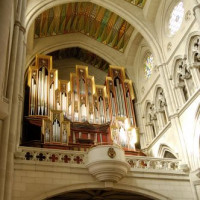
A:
(76, 114)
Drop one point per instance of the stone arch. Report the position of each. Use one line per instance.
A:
(37, 7)
(84, 45)
(182, 79)
(161, 106)
(101, 185)
(193, 53)
(145, 108)
(173, 69)
(165, 148)
(188, 46)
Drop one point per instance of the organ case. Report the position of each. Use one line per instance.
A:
(68, 109)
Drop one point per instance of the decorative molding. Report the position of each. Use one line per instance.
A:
(188, 15)
(169, 46)
(51, 155)
(107, 163)
(155, 164)
(21, 28)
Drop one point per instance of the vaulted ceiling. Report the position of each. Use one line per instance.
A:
(89, 19)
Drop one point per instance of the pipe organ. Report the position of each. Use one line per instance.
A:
(79, 112)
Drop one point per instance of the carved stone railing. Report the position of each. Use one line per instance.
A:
(80, 158)
(154, 164)
(51, 155)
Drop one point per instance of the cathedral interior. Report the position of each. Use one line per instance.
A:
(100, 100)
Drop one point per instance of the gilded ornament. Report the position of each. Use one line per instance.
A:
(111, 152)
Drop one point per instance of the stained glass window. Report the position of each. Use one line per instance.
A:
(149, 63)
(176, 18)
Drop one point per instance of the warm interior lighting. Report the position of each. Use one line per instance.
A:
(126, 124)
(68, 87)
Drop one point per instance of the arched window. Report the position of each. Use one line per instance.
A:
(148, 65)
(176, 18)
(194, 58)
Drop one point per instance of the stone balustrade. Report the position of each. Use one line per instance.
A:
(80, 158)
(154, 164)
(51, 155)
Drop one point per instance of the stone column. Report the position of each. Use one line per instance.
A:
(179, 91)
(15, 107)
(161, 120)
(5, 23)
(149, 134)
(172, 105)
(142, 143)
(8, 123)
(1, 122)
(21, 101)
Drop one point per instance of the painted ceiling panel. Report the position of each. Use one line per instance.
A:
(87, 18)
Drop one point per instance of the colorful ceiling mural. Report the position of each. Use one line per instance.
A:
(138, 3)
(86, 18)
(82, 55)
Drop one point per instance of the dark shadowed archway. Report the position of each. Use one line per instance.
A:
(99, 195)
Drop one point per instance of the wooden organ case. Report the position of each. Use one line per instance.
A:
(76, 114)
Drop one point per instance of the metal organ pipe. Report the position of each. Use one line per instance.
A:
(122, 101)
(33, 96)
(51, 96)
(117, 98)
(42, 91)
(113, 105)
(128, 101)
(45, 95)
(39, 92)
(101, 108)
(64, 103)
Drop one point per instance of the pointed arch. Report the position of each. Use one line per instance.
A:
(165, 148)
(189, 42)
(36, 7)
